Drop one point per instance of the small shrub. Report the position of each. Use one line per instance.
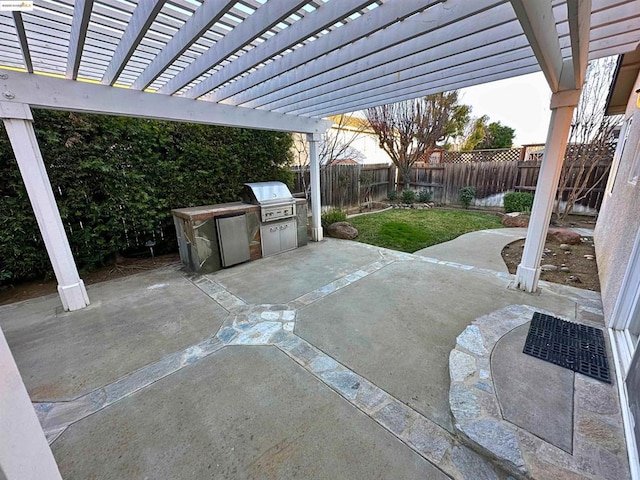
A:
(393, 195)
(408, 196)
(424, 196)
(466, 195)
(518, 202)
(333, 216)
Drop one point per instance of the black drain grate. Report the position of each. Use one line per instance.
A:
(570, 345)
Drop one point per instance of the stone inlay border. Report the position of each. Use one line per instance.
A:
(598, 445)
(56, 417)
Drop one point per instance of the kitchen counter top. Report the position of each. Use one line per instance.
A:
(208, 211)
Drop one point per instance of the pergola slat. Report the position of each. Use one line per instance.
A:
(255, 25)
(313, 23)
(428, 91)
(430, 72)
(377, 19)
(459, 76)
(417, 53)
(310, 58)
(142, 18)
(22, 37)
(205, 16)
(81, 16)
(428, 24)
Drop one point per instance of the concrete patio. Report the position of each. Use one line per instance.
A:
(335, 360)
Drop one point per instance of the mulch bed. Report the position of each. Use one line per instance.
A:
(582, 271)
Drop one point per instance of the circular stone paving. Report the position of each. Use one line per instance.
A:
(598, 446)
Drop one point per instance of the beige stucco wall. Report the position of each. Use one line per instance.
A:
(619, 218)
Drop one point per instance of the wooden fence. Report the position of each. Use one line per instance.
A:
(444, 173)
(497, 171)
(345, 186)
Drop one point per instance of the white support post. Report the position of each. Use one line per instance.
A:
(562, 105)
(24, 451)
(18, 122)
(314, 163)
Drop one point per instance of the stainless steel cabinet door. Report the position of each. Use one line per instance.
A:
(270, 237)
(288, 235)
(234, 239)
(279, 237)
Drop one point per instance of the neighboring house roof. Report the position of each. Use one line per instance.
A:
(345, 161)
(623, 81)
(352, 123)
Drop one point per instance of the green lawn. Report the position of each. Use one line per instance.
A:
(411, 230)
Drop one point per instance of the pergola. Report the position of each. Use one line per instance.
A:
(284, 65)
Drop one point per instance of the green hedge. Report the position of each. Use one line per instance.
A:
(116, 179)
(518, 202)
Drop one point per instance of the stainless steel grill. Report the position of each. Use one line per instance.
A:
(274, 198)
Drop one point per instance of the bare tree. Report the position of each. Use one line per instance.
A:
(408, 130)
(590, 139)
(336, 145)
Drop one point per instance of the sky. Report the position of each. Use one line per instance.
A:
(521, 103)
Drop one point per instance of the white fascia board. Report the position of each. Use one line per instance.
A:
(22, 38)
(427, 90)
(421, 57)
(79, 26)
(142, 18)
(312, 23)
(539, 25)
(202, 19)
(431, 25)
(256, 24)
(507, 61)
(377, 19)
(579, 13)
(47, 92)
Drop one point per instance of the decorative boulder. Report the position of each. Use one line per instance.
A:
(515, 220)
(342, 230)
(562, 235)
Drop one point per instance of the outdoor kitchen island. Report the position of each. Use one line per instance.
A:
(212, 237)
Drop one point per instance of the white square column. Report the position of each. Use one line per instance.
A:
(562, 107)
(314, 164)
(18, 122)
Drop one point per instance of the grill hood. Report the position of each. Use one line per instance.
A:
(266, 193)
